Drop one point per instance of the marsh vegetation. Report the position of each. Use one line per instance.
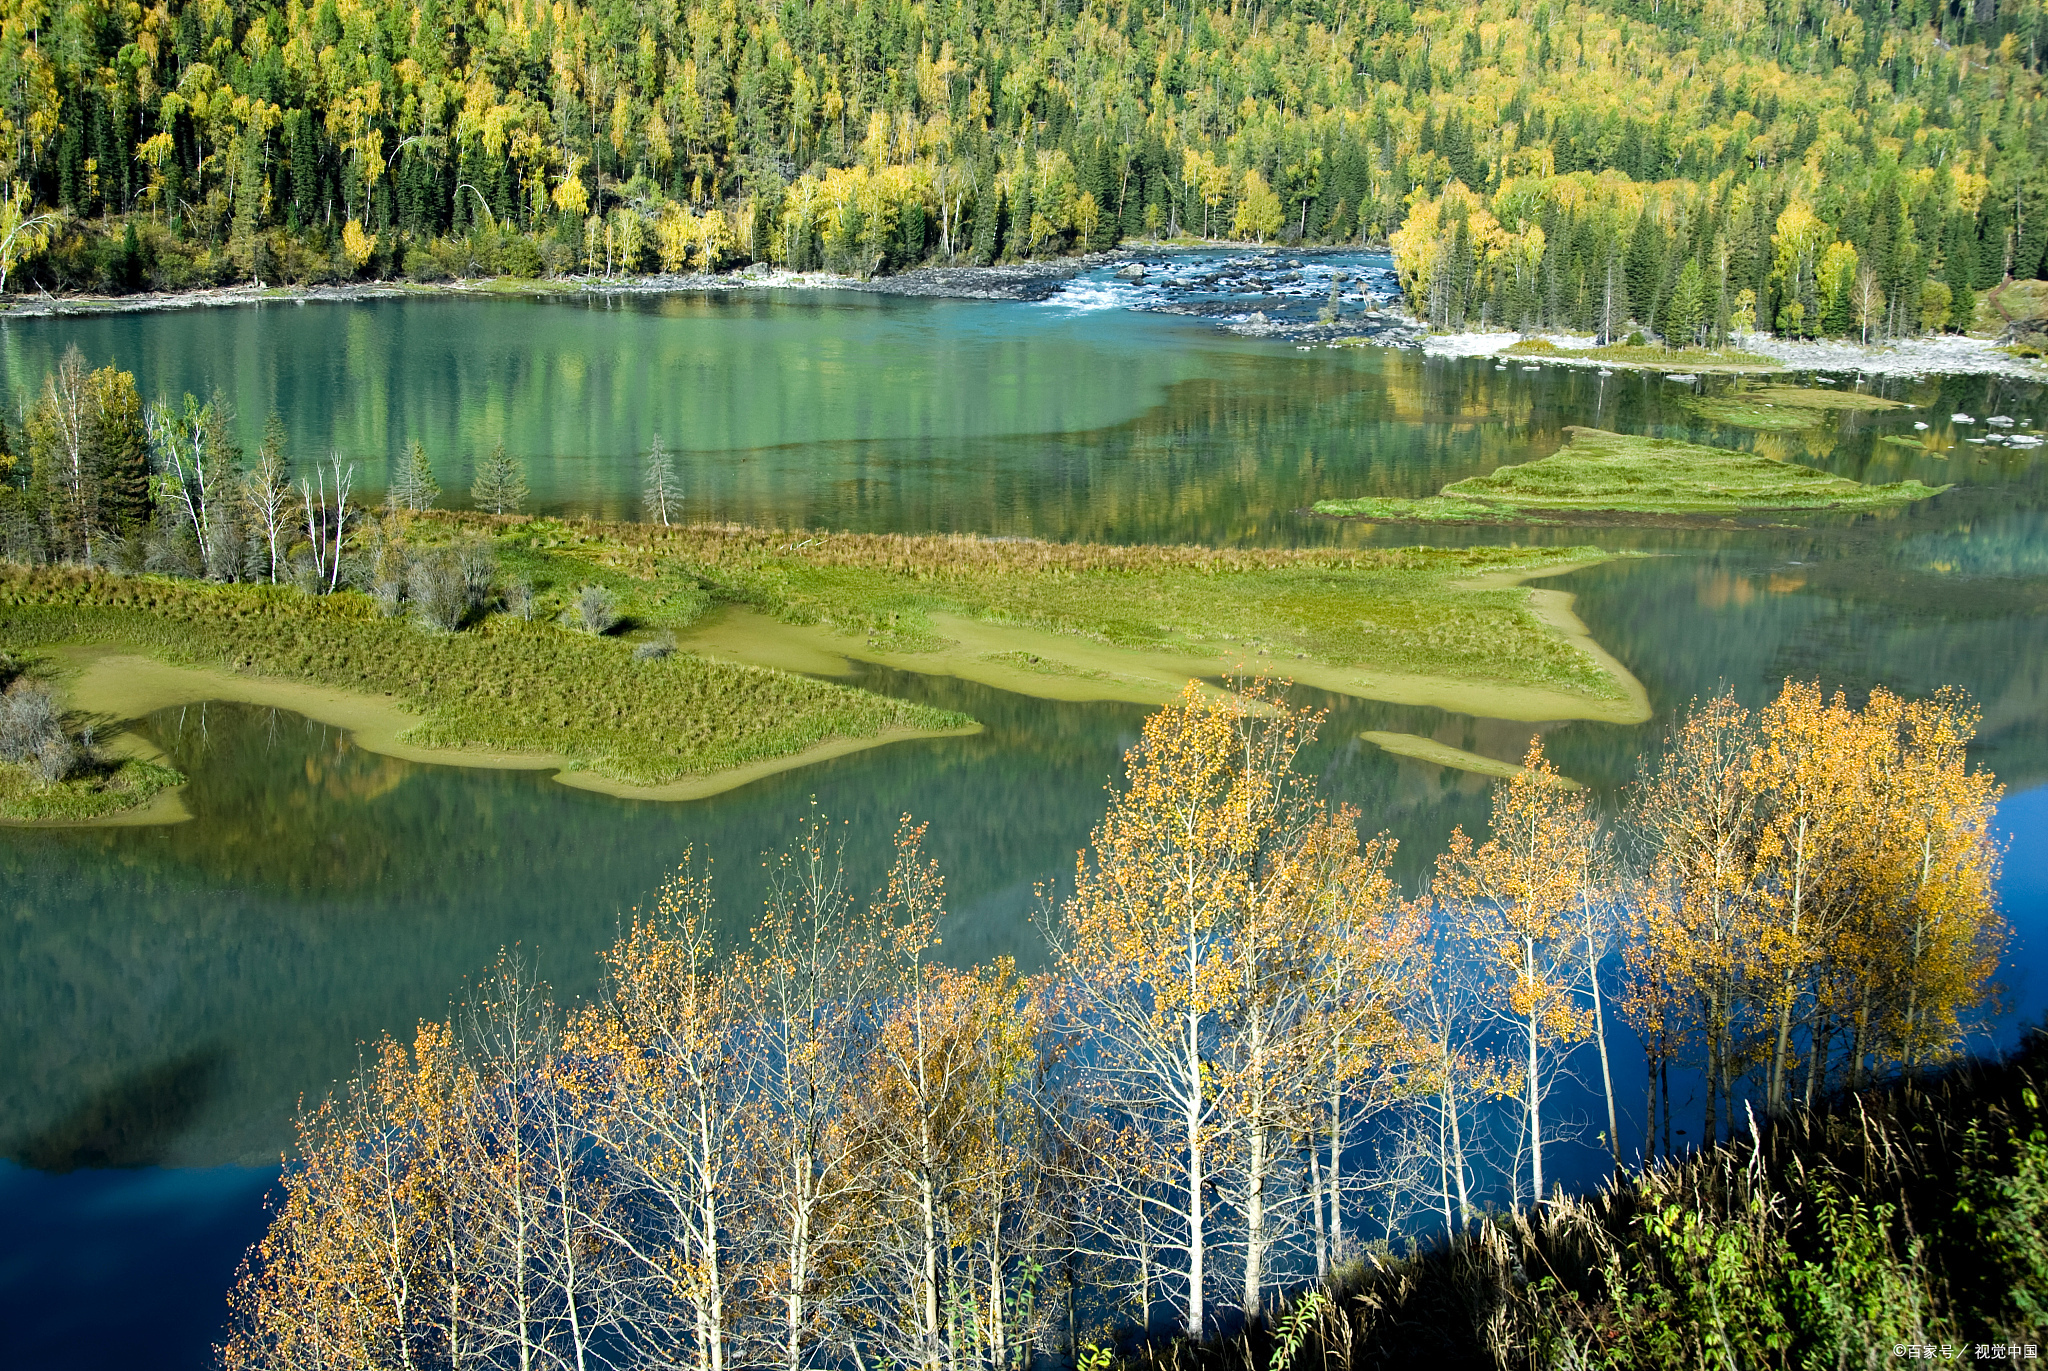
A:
(1602, 473)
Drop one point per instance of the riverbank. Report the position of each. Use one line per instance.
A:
(1936, 354)
(1020, 281)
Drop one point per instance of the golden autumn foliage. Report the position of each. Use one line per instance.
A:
(1820, 900)
(1517, 899)
(828, 1141)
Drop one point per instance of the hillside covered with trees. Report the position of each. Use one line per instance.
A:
(1695, 165)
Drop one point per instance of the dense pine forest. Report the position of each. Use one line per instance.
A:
(1692, 166)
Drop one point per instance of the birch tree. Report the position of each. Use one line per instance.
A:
(1515, 896)
(1149, 948)
(950, 1052)
(673, 1118)
(1369, 946)
(266, 494)
(198, 477)
(1812, 787)
(809, 987)
(1693, 932)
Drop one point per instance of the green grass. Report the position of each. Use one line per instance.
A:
(1394, 610)
(518, 685)
(507, 684)
(99, 792)
(1648, 355)
(1612, 473)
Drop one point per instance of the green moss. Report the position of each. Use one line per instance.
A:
(100, 792)
(508, 684)
(1612, 473)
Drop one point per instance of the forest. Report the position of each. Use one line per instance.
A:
(1250, 1063)
(1687, 167)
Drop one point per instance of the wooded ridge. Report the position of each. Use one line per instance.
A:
(1693, 166)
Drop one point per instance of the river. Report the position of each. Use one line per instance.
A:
(168, 994)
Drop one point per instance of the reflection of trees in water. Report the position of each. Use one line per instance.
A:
(1750, 620)
(323, 894)
(2004, 545)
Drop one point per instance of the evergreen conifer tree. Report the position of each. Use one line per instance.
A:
(662, 491)
(500, 484)
(413, 486)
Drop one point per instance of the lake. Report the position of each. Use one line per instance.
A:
(170, 993)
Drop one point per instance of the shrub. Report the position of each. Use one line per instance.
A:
(519, 597)
(477, 561)
(594, 610)
(55, 759)
(655, 648)
(32, 733)
(437, 592)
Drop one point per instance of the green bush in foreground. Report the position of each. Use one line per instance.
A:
(1898, 1222)
(508, 684)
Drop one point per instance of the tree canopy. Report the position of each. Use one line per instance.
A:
(1530, 160)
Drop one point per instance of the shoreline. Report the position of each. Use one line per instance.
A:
(1025, 281)
(1033, 281)
(123, 685)
(1415, 747)
(1945, 354)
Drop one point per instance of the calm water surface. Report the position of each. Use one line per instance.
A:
(166, 995)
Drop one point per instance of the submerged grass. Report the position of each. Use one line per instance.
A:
(1783, 408)
(1404, 610)
(507, 685)
(1648, 356)
(1612, 473)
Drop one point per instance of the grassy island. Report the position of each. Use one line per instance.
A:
(99, 791)
(1076, 621)
(1603, 473)
(506, 689)
(703, 674)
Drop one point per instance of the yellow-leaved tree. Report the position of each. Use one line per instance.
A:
(1519, 898)
(1230, 956)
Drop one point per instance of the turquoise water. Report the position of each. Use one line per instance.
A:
(166, 995)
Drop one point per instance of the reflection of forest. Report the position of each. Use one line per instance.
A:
(858, 412)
